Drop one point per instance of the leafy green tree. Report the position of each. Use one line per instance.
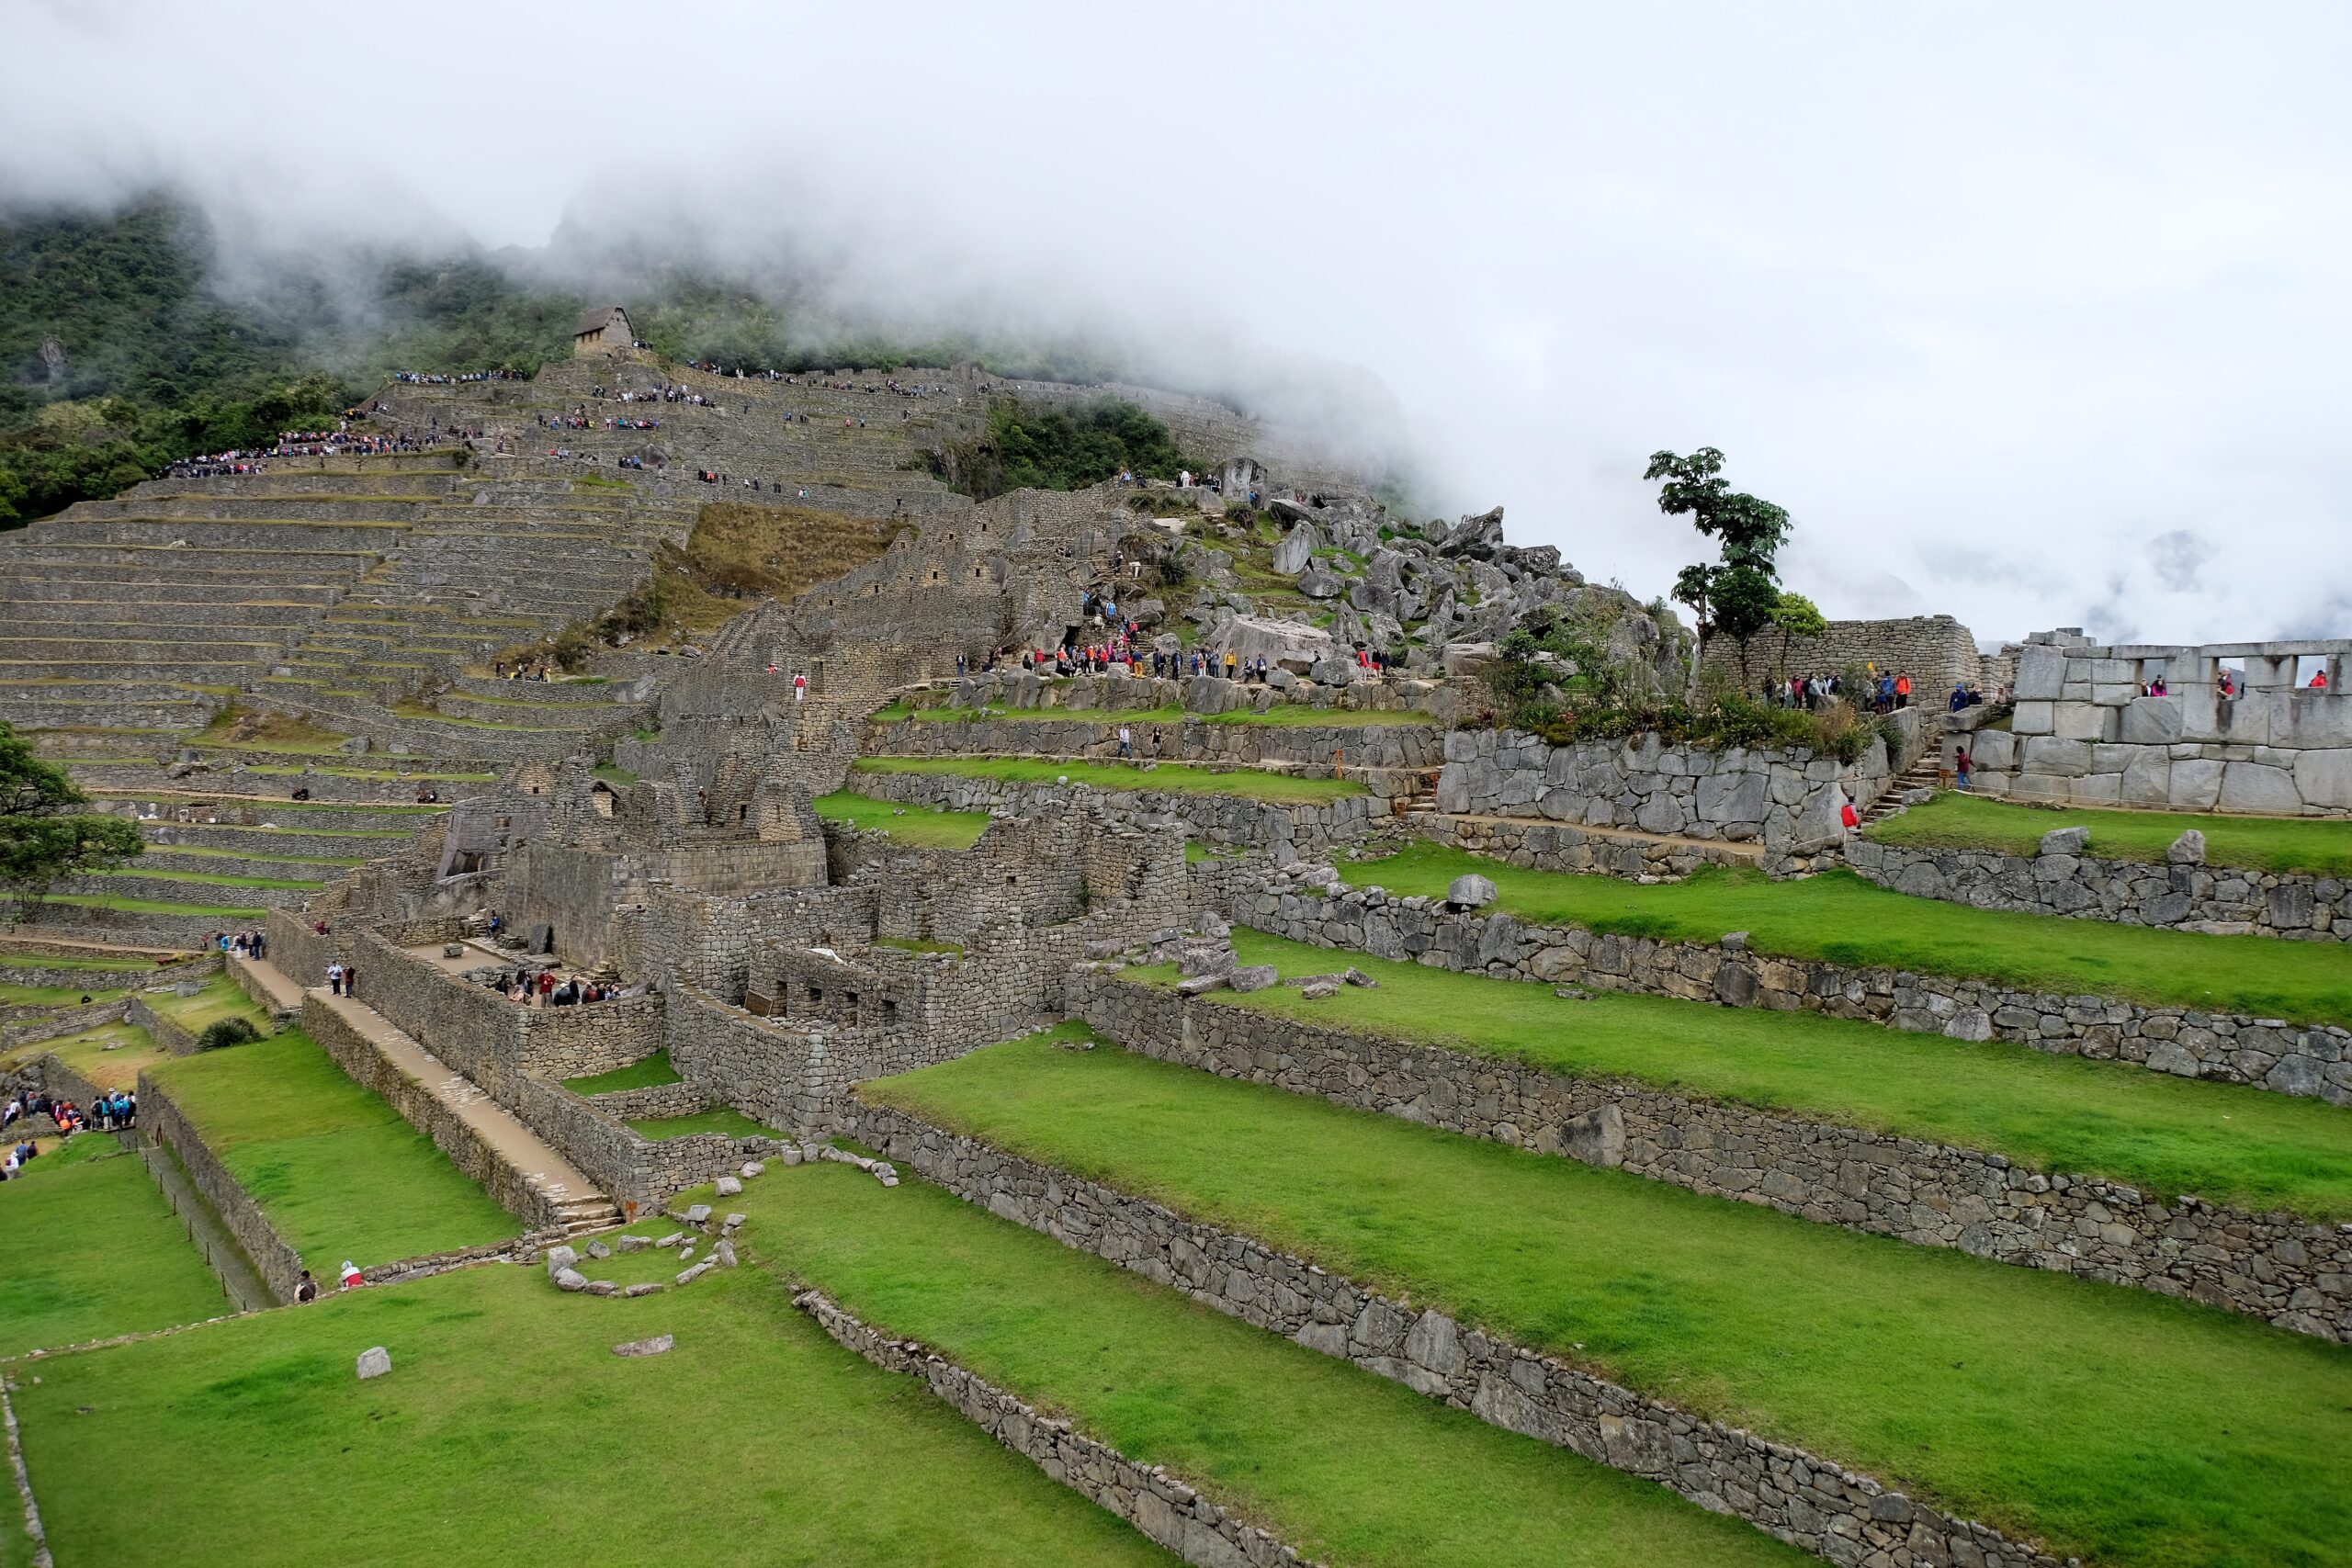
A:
(1737, 594)
(42, 837)
(1797, 616)
(1028, 448)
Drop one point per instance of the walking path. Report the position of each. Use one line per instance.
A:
(278, 991)
(575, 1198)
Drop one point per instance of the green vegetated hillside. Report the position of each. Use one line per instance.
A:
(159, 362)
(1952, 820)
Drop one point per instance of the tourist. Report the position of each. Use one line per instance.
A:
(350, 980)
(1962, 763)
(351, 1279)
(2319, 678)
(335, 978)
(1903, 690)
(1126, 742)
(307, 1290)
(799, 686)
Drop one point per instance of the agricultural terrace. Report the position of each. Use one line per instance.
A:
(335, 1168)
(1839, 916)
(2162, 1433)
(2228, 1144)
(1956, 821)
(919, 826)
(89, 1249)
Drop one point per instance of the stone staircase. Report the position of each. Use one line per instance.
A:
(1903, 789)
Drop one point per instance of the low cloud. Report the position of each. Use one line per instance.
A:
(2025, 319)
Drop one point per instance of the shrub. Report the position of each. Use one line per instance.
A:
(226, 1031)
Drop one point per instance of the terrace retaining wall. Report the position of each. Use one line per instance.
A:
(1171, 1511)
(2215, 899)
(52, 1023)
(2277, 1267)
(161, 1120)
(169, 1035)
(1287, 832)
(2271, 1053)
(1794, 1494)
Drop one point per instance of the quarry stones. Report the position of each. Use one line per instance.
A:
(2187, 850)
(1471, 891)
(2066, 840)
(660, 1344)
(374, 1362)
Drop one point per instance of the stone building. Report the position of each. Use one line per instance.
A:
(1937, 651)
(603, 330)
(2234, 729)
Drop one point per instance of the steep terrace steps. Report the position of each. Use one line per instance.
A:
(580, 718)
(35, 553)
(144, 780)
(261, 862)
(156, 622)
(248, 533)
(282, 839)
(193, 888)
(127, 649)
(497, 688)
(252, 509)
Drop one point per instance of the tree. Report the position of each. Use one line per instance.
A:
(42, 838)
(1797, 616)
(1737, 596)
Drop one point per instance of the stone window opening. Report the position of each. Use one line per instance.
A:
(849, 1004)
(601, 799)
(889, 1010)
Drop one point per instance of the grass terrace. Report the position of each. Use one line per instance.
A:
(1840, 917)
(1249, 783)
(2120, 1426)
(122, 906)
(1346, 1467)
(920, 826)
(112, 1057)
(2228, 1144)
(722, 1119)
(51, 996)
(646, 1072)
(205, 879)
(220, 996)
(257, 1427)
(89, 1249)
(337, 1171)
(1957, 821)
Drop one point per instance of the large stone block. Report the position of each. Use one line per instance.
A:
(1993, 748)
(2323, 779)
(2251, 786)
(2196, 785)
(2056, 756)
(2040, 674)
(2147, 780)
(2151, 721)
(2084, 721)
(2033, 717)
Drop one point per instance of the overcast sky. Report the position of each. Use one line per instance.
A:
(2031, 314)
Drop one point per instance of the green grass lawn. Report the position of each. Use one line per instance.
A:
(918, 825)
(646, 1072)
(1347, 1467)
(509, 1432)
(1177, 777)
(335, 1168)
(51, 996)
(220, 996)
(1954, 820)
(111, 1057)
(2228, 1144)
(205, 852)
(1838, 916)
(153, 906)
(197, 879)
(2119, 1425)
(119, 962)
(89, 1248)
(717, 1119)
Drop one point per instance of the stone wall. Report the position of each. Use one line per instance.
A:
(160, 1122)
(2286, 1057)
(168, 1034)
(1784, 800)
(2216, 900)
(2083, 734)
(1286, 831)
(635, 1171)
(2275, 1267)
(1171, 1511)
(473, 1155)
(1936, 650)
(51, 1023)
(1796, 1495)
(1608, 851)
(1370, 745)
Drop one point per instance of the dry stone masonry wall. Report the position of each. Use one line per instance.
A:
(2179, 896)
(2275, 1267)
(1311, 904)
(1799, 1496)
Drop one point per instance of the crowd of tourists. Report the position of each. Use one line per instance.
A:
(580, 419)
(417, 378)
(113, 1111)
(240, 945)
(340, 442)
